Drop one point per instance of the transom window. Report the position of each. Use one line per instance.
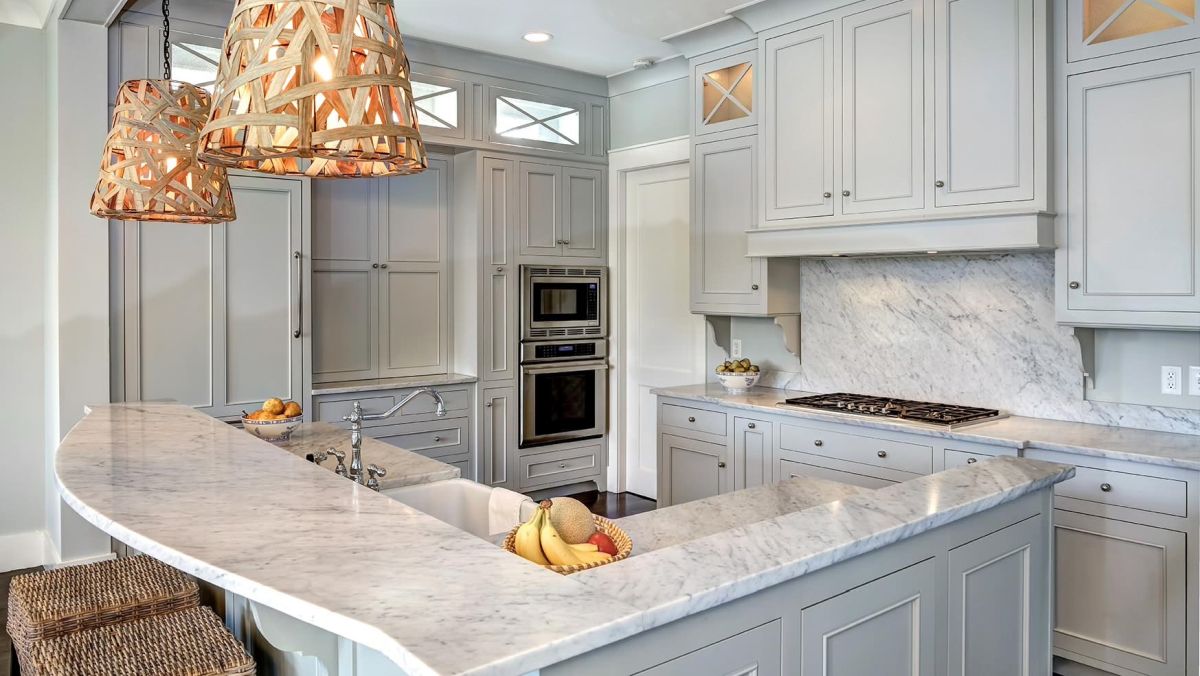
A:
(537, 121)
(437, 105)
(1106, 20)
(728, 93)
(195, 64)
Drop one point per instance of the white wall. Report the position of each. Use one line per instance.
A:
(22, 286)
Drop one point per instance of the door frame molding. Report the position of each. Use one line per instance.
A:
(621, 162)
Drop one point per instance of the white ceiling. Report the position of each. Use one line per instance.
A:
(602, 37)
(28, 13)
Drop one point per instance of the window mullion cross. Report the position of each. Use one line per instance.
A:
(537, 121)
(727, 95)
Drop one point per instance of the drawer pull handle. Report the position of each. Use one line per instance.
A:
(794, 476)
(972, 461)
(691, 418)
(1106, 487)
(721, 464)
(752, 426)
(436, 439)
(818, 442)
(882, 454)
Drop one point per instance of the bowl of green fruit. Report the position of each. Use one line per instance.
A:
(738, 376)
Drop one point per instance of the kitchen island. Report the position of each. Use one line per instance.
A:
(296, 540)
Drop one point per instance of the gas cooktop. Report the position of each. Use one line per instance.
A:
(945, 416)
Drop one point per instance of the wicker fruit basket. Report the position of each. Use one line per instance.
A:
(619, 537)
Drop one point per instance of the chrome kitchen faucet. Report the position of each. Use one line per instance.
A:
(356, 419)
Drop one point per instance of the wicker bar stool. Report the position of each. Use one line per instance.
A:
(46, 605)
(192, 642)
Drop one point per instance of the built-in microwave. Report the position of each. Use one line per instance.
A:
(563, 301)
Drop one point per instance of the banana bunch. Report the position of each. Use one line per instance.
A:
(538, 541)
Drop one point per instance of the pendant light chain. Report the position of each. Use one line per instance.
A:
(166, 12)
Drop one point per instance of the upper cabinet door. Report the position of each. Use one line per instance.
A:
(416, 215)
(883, 152)
(983, 55)
(345, 218)
(798, 124)
(1115, 26)
(541, 209)
(724, 280)
(499, 307)
(1132, 147)
(583, 212)
(724, 94)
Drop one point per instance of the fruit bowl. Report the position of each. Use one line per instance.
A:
(276, 431)
(619, 537)
(737, 383)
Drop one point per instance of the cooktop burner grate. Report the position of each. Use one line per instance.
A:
(941, 415)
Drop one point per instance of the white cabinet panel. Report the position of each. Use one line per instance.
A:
(790, 469)
(345, 217)
(541, 209)
(756, 652)
(1133, 242)
(499, 331)
(692, 470)
(498, 437)
(883, 152)
(415, 213)
(798, 124)
(583, 212)
(1120, 593)
(412, 338)
(984, 88)
(883, 627)
(345, 299)
(752, 451)
(723, 209)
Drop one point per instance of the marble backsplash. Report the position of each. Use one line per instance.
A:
(967, 330)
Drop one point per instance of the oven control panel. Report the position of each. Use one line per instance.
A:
(563, 350)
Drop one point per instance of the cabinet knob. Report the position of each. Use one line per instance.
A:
(375, 266)
(384, 266)
(691, 418)
(882, 454)
(1106, 487)
(1074, 285)
(754, 287)
(721, 464)
(562, 465)
(499, 269)
(488, 405)
(939, 184)
(752, 426)
(845, 193)
(436, 439)
(972, 461)
(818, 442)
(828, 194)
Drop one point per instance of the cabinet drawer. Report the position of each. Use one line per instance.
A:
(334, 411)
(431, 439)
(789, 469)
(559, 466)
(896, 455)
(956, 458)
(457, 398)
(1136, 491)
(698, 420)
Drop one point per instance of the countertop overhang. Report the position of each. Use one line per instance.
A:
(265, 524)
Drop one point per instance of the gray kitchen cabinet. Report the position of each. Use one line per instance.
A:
(218, 317)
(724, 91)
(692, 469)
(756, 652)
(984, 54)
(1120, 594)
(561, 210)
(883, 627)
(883, 121)
(499, 436)
(790, 467)
(547, 466)
(500, 314)
(724, 280)
(1133, 243)
(381, 276)
(998, 593)
(798, 124)
(753, 445)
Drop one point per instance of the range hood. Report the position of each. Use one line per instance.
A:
(892, 237)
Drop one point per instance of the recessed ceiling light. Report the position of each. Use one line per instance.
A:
(538, 36)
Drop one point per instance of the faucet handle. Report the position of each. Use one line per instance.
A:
(340, 470)
(356, 413)
(376, 473)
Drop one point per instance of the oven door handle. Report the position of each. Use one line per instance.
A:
(565, 367)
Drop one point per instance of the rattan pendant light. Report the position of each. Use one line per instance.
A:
(149, 170)
(314, 87)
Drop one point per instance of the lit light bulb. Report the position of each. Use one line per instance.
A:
(537, 37)
(323, 68)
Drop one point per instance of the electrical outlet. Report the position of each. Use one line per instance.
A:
(735, 348)
(1194, 381)
(1172, 377)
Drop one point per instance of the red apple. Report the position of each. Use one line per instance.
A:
(603, 543)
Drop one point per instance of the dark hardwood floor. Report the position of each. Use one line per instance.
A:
(615, 505)
(5, 644)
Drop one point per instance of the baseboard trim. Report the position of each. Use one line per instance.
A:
(22, 550)
(52, 558)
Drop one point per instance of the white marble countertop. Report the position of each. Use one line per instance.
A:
(377, 384)
(1122, 443)
(404, 468)
(266, 524)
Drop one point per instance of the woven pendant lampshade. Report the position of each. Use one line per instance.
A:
(149, 170)
(314, 87)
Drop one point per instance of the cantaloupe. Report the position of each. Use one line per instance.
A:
(572, 519)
